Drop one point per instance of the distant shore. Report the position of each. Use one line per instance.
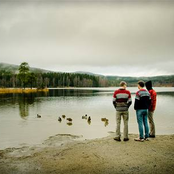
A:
(21, 90)
(62, 154)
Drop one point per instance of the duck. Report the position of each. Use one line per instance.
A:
(38, 116)
(69, 119)
(106, 120)
(106, 123)
(84, 117)
(59, 119)
(103, 119)
(63, 116)
(89, 118)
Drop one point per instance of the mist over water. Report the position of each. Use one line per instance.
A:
(19, 124)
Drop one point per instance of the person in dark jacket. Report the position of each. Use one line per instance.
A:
(122, 101)
(141, 105)
(151, 108)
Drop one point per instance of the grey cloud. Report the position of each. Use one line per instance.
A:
(91, 35)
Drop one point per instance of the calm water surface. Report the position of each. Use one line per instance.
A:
(20, 126)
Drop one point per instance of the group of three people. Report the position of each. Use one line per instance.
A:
(145, 103)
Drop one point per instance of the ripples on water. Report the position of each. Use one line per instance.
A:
(19, 123)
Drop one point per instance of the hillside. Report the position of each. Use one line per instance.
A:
(163, 80)
(14, 68)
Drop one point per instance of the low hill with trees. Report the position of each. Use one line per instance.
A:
(17, 76)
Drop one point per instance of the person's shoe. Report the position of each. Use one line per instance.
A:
(151, 136)
(117, 139)
(126, 139)
(146, 139)
(139, 139)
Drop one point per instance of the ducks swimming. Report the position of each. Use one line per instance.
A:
(86, 117)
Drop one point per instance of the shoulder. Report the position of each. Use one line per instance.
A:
(143, 92)
(152, 92)
(138, 92)
(127, 91)
(116, 92)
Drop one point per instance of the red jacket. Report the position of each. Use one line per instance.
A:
(153, 100)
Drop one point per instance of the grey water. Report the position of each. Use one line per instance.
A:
(20, 126)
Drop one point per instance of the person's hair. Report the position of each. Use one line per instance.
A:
(141, 83)
(122, 83)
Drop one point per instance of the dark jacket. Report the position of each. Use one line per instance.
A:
(142, 100)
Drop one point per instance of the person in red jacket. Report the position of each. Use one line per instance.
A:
(151, 108)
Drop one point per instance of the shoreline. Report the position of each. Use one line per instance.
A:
(21, 90)
(68, 154)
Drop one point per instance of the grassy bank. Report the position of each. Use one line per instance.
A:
(21, 90)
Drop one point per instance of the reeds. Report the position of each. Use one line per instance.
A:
(21, 90)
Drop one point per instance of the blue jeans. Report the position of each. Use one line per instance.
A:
(142, 115)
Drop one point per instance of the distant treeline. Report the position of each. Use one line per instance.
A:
(158, 81)
(24, 76)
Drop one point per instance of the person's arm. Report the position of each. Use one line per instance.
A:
(129, 102)
(153, 102)
(137, 99)
(114, 100)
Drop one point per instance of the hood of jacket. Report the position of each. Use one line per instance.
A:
(148, 85)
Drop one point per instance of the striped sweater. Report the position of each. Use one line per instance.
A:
(122, 99)
(142, 100)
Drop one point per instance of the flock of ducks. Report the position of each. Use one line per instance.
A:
(85, 117)
(70, 119)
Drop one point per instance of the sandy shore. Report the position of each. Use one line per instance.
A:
(66, 154)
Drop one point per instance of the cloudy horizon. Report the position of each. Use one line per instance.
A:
(127, 38)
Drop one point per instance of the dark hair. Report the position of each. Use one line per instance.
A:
(141, 83)
(148, 85)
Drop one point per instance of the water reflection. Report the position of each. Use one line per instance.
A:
(69, 123)
(72, 92)
(24, 101)
(89, 122)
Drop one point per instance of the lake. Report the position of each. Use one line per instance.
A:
(20, 126)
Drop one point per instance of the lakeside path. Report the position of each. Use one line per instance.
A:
(66, 154)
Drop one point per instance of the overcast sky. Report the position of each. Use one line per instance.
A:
(127, 38)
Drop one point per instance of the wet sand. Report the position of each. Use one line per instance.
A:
(67, 154)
